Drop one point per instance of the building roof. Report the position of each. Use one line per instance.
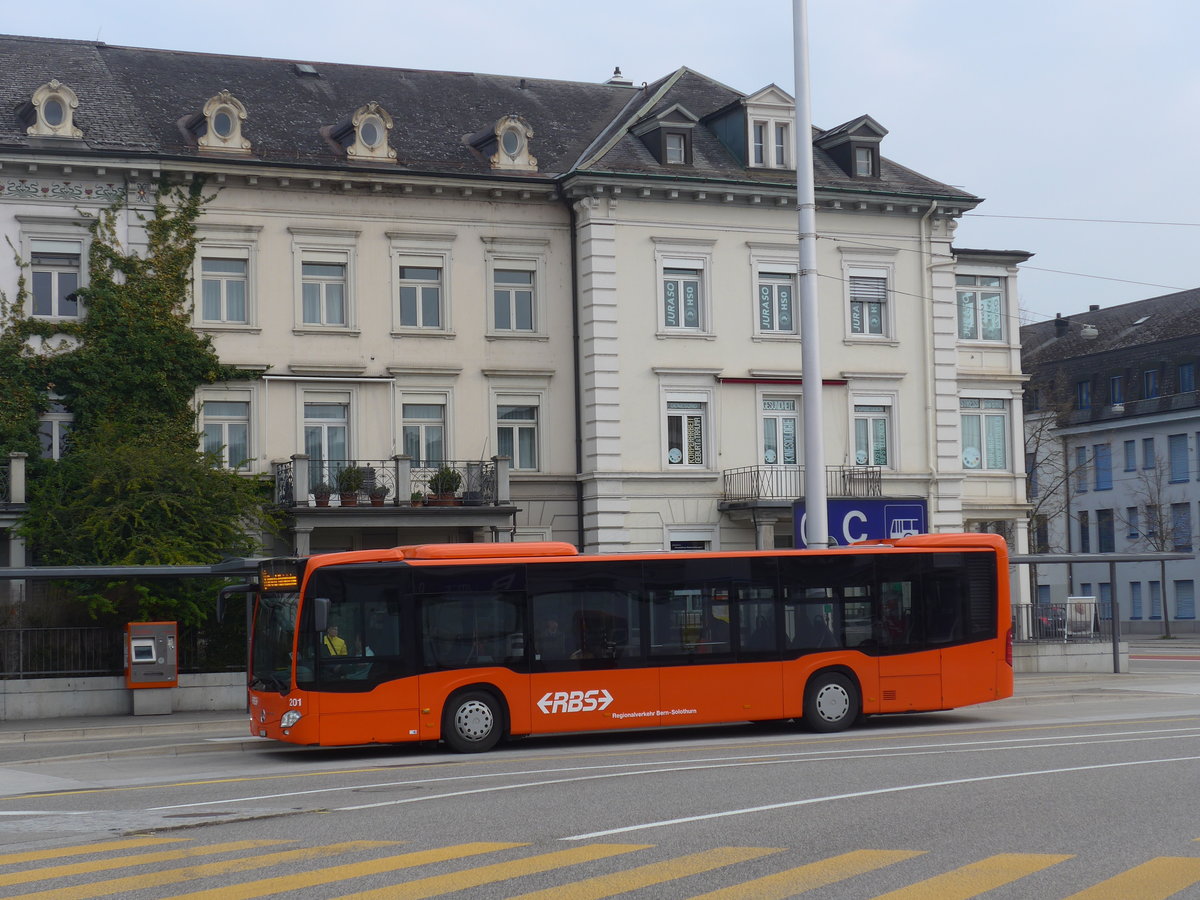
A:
(1170, 317)
(137, 102)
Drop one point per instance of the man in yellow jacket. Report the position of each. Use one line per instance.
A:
(334, 645)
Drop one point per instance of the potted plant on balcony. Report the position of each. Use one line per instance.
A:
(322, 492)
(416, 498)
(349, 483)
(443, 486)
(377, 494)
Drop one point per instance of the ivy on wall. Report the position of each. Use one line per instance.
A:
(134, 489)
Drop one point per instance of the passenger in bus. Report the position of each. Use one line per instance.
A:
(332, 644)
(715, 636)
(821, 635)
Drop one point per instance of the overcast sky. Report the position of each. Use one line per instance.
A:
(1075, 119)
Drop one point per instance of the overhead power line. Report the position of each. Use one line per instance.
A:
(975, 215)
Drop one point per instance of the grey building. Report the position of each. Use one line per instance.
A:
(1112, 418)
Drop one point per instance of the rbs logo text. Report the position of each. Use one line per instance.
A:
(574, 701)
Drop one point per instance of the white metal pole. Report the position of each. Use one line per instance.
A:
(816, 530)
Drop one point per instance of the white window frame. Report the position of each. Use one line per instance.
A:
(60, 231)
(517, 254)
(704, 401)
(60, 421)
(764, 397)
(768, 158)
(325, 394)
(535, 399)
(888, 402)
(226, 242)
(425, 398)
(977, 289)
(41, 248)
(857, 263)
(986, 410)
(765, 261)
(325, 247)
(229, 396)
(692, 533)
(429, 251)
(694, 256)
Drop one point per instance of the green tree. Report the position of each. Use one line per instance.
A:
(134, 488)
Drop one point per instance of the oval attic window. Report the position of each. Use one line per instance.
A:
(52, 112)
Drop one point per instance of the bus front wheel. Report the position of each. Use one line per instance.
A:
(831, 702)
(472, 722)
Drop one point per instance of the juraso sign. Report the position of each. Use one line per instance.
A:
(574, 701)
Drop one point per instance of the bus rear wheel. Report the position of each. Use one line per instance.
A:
(831, 702)
(472, 722)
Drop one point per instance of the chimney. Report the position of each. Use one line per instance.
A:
(618, 79)
(1060, 325)
(1094, 307)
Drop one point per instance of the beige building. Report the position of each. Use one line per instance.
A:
(581, 298)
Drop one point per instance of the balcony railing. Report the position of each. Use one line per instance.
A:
(787, 482)
(399, 481)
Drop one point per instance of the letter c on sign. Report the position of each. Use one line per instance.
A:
(853, 514)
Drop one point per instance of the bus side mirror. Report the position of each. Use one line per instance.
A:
(320, 613)
(224, 593)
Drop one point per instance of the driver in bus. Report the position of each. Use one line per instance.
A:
(334, 645)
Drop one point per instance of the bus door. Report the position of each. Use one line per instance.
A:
(910, 677)
(362, 662)
(714, 634)
(587, 669)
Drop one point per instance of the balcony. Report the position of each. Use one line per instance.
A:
(391, 484)
(753, 484)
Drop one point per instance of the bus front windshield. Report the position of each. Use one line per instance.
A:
(274, 628)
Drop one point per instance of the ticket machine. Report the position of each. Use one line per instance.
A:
(151, 661)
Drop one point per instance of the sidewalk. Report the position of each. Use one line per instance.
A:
(209, 724)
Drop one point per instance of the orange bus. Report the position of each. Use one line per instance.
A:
(470, 643)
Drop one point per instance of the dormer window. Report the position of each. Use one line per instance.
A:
(675, 143)
(506, 144)
(220, 125)
(854, 146)
(668, 135)
(365, 137)
(53, 111)
(864, 162)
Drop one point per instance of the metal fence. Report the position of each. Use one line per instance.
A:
(78, 651)
(1074, 622)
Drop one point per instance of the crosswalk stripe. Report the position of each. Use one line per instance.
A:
(7, 859)
(1161, 877)
(436, 885)
(973, 880)
(264, 887)
(655, 873)
(138, 859)
(174, 876)
(811, 876)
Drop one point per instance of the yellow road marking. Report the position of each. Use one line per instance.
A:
(174, 876)
(655, 873)
(139, 859)
(977, 878)
(264, 887)
(1161, 877)
(459, 881)
(84, 849)
(811, 876)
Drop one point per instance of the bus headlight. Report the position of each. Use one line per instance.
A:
(290, 718)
